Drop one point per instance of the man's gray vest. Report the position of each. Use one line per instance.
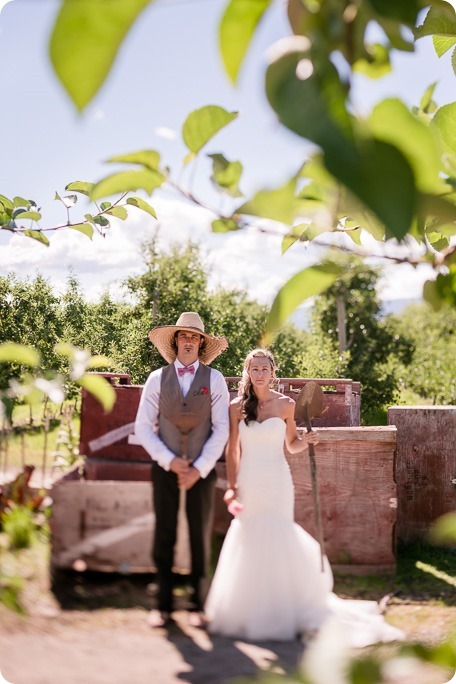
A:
(177, 413)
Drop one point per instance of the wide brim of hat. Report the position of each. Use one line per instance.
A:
(163, 336)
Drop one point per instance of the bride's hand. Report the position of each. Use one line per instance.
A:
(229, 496)
(235, 507)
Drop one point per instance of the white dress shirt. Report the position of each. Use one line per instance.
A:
(146, 424)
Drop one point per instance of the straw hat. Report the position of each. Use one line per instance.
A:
(163, 337)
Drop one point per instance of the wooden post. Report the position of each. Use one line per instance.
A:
(341, 324)
(425, 466)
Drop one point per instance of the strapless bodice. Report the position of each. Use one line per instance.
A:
(263, 439)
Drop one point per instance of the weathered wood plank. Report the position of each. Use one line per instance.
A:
(110, 523)
(107, 526)
(426, 466)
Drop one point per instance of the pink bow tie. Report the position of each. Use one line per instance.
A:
(187, 369)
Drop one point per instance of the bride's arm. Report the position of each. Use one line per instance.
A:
(294, 442)
(232, 453)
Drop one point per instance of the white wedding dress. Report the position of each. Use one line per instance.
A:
(268, 584)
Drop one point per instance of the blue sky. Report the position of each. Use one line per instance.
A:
(168, 66)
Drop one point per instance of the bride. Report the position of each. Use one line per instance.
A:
(269, 582)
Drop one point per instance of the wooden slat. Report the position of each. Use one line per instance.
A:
(426, 466)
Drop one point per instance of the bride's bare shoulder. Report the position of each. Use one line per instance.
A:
(287, 406)
(284, 400)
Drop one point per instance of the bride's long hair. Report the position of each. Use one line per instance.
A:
(249, 400)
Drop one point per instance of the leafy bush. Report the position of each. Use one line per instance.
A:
(19, 526)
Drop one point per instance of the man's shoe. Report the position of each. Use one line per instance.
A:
(159, 618)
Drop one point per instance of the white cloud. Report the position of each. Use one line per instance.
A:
(164, 132)
(99, 114)
(403, 281)
(246, 259)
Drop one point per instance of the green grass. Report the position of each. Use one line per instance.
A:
(424, 573)
(27, 440)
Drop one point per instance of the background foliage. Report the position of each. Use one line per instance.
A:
(412, 352)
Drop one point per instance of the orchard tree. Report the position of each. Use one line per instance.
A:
(349, 314)
(75, 314)
(30, 315)
(432, 336)
(176, 281)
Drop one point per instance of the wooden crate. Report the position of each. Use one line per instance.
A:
(341, 398)
(425, 466)
(112, 452)
(109, 525)
(355, 472)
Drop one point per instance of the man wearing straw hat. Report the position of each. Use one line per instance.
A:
(182, 422)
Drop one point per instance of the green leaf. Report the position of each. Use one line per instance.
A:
(6, 203)
(10, 352)
(405, 11)
(440, 209)
(224, 225)
(148, 158)
(442, 290)
(80, 186)
(38, 236)
(298, 232)
(437, 240)
(308, 101)
(307, 283)
(443, 530)
(68, 350)
(101, 221)
(226, 174)
(105, 205)
(439, 21)
(118, 212)
(100, 388)
(426, 101)
(202, 124)
(127, 181)
(392, 122)
(445, 229)
(355, 235)
(383, 179)
(21, 202)
(142, 204)
(18, 212)
(33, 215)
(85, 41)
(442, 44)
(238, 24)
(444, 123)
(378, 63)
(99, 361)
(84, 228)
(277, 205)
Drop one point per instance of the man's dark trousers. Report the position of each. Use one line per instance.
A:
(200, 511)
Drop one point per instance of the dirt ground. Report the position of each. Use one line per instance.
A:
(92, 630)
